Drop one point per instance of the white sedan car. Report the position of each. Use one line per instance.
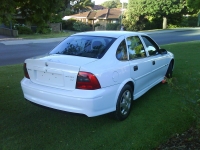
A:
(95, 73)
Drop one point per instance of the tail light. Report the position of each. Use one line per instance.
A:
(26, 71)
(87, 81)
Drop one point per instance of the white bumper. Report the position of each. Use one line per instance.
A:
(88, 102)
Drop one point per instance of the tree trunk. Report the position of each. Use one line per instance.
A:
(164, 22)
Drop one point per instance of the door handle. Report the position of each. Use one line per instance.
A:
(153, 62)
(135, 68)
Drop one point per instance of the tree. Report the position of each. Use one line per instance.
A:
(195, 4)
(39, 12)
(161, 8)
(81, 5)
(7, 10)
(114, 4)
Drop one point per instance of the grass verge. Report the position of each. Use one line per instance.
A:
(156, 116)
(42, 36)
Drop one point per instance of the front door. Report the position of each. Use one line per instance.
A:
(140, 65)
(159, 61)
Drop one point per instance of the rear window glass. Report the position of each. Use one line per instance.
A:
(84, 46)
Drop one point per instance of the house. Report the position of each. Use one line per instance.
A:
(101, 17)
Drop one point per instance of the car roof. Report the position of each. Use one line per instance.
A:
(114, 34)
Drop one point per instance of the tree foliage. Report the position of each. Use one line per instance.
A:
(114, 4)
(81, 26)
(194, 4)
(7, 10)
(81, 5)
(39, 12)
(138, 10)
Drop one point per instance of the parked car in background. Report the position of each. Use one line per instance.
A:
(95, 73)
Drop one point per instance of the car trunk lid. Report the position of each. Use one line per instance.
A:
(59, 71)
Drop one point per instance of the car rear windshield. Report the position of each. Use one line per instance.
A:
(84, 46)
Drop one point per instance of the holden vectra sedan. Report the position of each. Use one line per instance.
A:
(95, 73)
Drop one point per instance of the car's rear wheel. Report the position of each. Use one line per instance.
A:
(169, 71)
(123, 106)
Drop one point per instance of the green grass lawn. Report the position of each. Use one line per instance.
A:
(155, 117)
(43, 36)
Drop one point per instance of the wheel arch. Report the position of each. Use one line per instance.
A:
(172, 61)
(129, 82)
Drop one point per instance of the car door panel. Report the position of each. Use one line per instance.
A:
(140, 65)
(159, 61)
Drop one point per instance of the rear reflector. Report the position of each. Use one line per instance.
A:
(87, 81)
(26, 71)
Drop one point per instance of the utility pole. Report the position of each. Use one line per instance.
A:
(122, 10)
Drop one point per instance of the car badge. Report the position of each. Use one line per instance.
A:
(46, 64)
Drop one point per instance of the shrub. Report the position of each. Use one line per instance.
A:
(68, 24)
(81, 26)
(169, 26)
(45, 29)
(56, 18)
(189, 21)
(153, 23)
(23, 30)
(192, 21)
(97, 24)
(112, 26)
(136, 23)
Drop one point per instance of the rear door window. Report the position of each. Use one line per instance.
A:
(135, 48)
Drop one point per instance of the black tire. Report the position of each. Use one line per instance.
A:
(169, 71)
(124, 102)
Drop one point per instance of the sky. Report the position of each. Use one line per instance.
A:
(97, 2)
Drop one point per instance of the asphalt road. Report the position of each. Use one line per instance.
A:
(15, 52)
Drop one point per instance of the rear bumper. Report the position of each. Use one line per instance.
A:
(88, 102)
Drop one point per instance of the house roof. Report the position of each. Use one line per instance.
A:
(81, 15)
(102, 13)
(92, 15)
(113, 13)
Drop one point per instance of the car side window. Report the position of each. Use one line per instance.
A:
(121, 53)
(135, 48)
(151, 46)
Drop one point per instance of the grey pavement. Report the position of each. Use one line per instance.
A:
(30, 41)
(16, 41)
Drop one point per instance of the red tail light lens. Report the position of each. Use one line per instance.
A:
(26, 71)
(87, 81)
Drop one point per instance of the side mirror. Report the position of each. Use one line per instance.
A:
(163, 51)
(151, 48)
